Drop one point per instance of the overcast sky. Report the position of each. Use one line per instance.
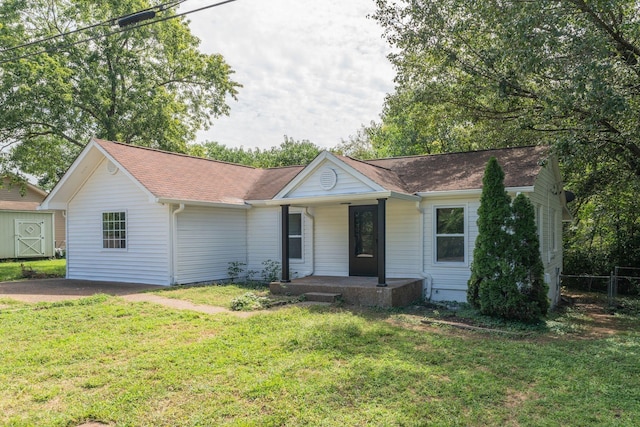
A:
(310, 69)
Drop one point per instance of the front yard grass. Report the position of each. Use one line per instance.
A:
(122, 363)
(12, 270)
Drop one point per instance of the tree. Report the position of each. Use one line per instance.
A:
(491, 74)
(493, 241)
(507, 275)
(564, 68)
(146, 85)
(288, 153)
(529, 270)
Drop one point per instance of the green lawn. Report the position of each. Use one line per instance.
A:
(13, 270)
(140, 364)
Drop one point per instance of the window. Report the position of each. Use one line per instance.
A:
(295, 236)
(450, 234)
(114, 230)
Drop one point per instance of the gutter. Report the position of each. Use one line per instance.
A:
(241, 205)
(340, 198)
(471, 192)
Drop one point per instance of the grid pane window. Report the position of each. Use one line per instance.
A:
(114, 230)
(450, 235)
(295, 236)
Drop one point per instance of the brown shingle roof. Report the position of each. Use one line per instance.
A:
(386, 178)
(464, 171)
(271, 181)
(10, 205)
(174, 176)
(179, 177)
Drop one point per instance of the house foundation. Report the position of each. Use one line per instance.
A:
(355, 290)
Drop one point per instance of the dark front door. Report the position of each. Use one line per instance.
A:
(363, 240)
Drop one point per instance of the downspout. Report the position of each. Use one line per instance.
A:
(66, 240)
(174, 244)
(313, 232)
(427, 284)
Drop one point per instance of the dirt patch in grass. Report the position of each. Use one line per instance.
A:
(579, 316)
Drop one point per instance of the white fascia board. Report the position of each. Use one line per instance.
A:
(203, 203)
(337, 198)
(56, 206)
(315, 164)
(470, 192)
(52, 194)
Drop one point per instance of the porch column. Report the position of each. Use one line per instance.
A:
(285, 244)
(382, 244)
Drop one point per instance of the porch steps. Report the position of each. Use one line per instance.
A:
(322, 296)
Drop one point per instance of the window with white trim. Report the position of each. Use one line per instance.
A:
(450, 238)
(114, 230)
(295, 236)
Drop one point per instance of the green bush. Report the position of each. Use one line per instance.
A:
(507, 274)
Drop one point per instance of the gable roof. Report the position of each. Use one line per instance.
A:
(178, 178)
(173, 176)
(18, 195)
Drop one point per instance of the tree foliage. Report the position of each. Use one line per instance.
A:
(501, 73)
(507, 274)
(147, 85)
(288, 153)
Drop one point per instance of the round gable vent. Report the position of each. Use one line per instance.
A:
(328, 179)
(112, 168)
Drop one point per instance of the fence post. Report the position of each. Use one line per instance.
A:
(610, 290)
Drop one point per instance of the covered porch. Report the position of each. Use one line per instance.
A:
(356, 290)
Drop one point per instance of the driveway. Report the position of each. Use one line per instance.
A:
(50, 290)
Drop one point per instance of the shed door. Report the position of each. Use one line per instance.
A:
(29, 238)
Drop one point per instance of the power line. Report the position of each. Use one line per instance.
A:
(118, 31)
(77, 30)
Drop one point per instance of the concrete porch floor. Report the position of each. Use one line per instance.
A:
(355, 290)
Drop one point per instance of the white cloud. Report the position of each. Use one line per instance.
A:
(310, 69)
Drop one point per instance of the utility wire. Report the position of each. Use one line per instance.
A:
(107, 22)
(121, 30)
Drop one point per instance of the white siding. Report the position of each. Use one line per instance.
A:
(264, 244)
(332, 240)
(449, 280)
(146, 259)
(546, 199)
(263, 236)
(403, 240)
(208, 239)
(346, 183)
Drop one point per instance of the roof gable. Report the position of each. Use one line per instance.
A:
(329, 174)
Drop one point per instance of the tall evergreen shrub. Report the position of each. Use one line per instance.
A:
(507, 274)
(530, 272)
(493, 236)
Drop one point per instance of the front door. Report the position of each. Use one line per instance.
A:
(363, 240)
